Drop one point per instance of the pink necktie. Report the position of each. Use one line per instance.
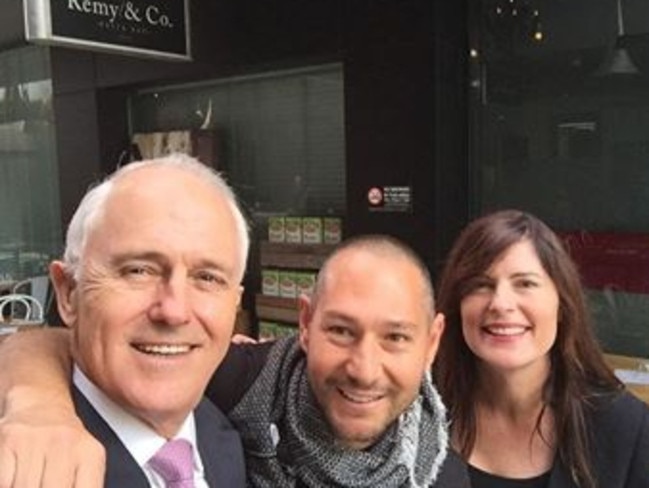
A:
(175, 463)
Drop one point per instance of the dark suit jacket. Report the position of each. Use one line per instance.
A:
(219, 445)
(619, 426)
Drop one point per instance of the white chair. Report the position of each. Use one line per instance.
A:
(21, 309)
(37, 287)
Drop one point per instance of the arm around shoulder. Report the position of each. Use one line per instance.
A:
(42, 442)
(36, 368)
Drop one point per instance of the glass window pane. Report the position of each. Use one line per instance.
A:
(30, 229)
(280, 134)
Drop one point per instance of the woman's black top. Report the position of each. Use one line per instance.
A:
(482, 479)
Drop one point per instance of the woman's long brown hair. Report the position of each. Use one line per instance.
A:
(578, 370)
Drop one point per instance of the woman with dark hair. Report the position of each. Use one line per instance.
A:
(532, 401)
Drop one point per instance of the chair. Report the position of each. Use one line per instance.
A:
(37, 287)
(20, 309)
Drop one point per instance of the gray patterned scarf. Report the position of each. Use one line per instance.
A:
(288, 442)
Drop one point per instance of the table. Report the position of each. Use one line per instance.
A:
(631, 363)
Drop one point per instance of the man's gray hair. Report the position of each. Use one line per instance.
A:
(93, 203)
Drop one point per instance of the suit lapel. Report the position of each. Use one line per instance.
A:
(121, 469)
(218, 443)
(219, 446)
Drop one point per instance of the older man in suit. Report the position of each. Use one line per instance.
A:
(149, 284)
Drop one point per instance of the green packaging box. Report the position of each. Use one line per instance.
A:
(293, 229)
(287, 286)
(311, 230)
(266, 330)
(304, 283)
(270, 282)
(332, 232)
(276, 229)
(274, 330)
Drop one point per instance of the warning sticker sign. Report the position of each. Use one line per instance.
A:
(390, 199)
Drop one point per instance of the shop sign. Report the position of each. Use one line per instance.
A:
(145, 28)
(390, 199)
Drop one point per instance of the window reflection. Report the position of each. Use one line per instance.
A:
(280, 134)
(30, 232)
(561, 128)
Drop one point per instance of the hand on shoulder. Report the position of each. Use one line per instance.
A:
(48, 448)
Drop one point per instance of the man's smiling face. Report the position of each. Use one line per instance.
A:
(369, 338)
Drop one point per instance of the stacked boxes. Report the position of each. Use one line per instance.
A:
(288, 278)
(305, 230)
(274, 330)
(291, 283)
(287, 283)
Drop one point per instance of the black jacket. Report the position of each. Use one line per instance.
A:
(619, 425)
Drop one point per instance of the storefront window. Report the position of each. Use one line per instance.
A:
(279, 135)
(30, 228)
(559, 94)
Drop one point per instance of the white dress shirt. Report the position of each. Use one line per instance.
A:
(140, 440)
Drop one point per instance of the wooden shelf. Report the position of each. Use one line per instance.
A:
(294, 256)
(276, 308)
(307, 257)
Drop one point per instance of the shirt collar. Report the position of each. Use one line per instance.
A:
(140, 440)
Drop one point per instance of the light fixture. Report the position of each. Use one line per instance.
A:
(537, 31)
(618, 61)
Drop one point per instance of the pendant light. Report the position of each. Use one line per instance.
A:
(618, 61)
